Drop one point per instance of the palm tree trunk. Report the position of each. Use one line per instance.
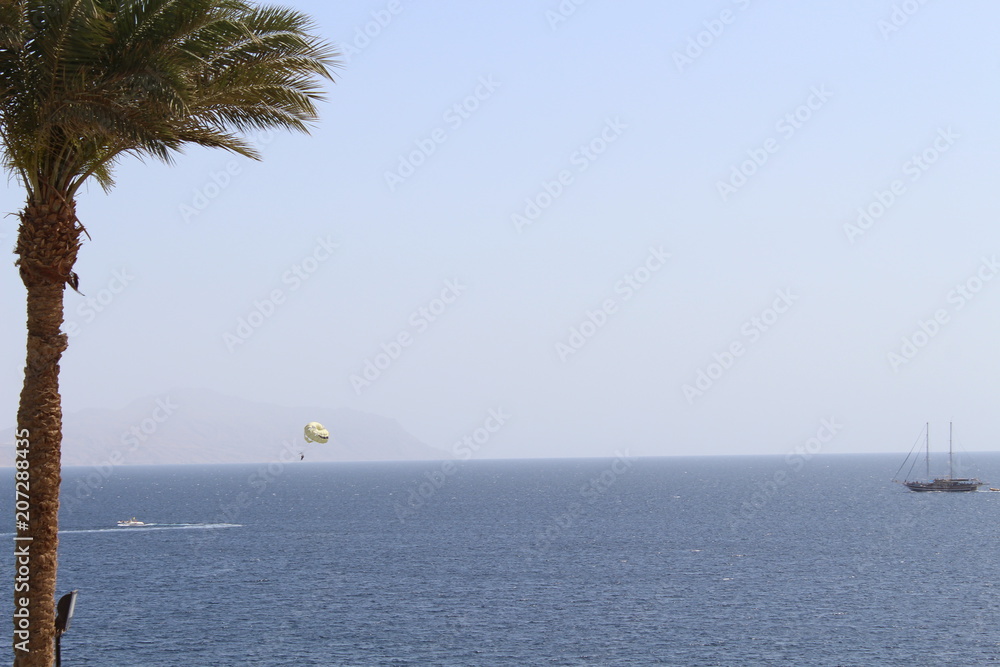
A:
(48, 240)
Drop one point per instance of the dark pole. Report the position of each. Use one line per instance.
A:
(64, 612)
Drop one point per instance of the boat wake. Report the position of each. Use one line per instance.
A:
(146, 527)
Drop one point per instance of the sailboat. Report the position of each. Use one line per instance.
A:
(949, 483)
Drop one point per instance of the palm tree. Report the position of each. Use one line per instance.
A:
(84, 83)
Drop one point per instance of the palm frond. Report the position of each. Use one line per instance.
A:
(84, 83)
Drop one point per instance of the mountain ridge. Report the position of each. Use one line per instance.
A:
(202, 426)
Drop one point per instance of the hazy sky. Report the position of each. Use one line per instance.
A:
(677, 228)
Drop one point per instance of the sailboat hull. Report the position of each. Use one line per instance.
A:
(947, 485)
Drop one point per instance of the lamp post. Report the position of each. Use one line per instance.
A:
(64, 612)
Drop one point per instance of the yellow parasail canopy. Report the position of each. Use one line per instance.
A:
(315, 432)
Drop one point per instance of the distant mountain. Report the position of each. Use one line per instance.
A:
(202, 426)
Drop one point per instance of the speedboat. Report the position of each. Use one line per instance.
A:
(130, 522)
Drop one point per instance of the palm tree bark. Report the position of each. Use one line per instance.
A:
(48, 241)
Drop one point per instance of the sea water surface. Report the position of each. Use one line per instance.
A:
(627, 561)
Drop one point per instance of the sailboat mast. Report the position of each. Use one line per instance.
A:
(927, 456)
(949, 450)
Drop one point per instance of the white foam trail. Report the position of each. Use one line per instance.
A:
(147, 527)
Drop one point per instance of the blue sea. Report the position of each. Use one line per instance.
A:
(618, 561)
